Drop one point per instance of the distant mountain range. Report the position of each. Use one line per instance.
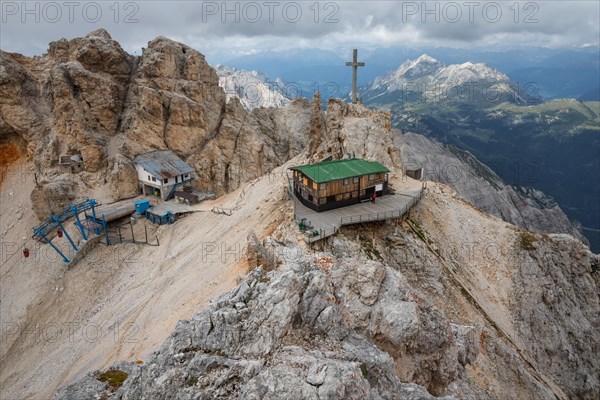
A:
(567, 74)
(553, 146)
(503, 118)
(253, 88)
(551, 73)
(429, 80)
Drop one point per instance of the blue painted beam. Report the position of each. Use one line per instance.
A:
(65, 232)
(65, 259)
(94, 215)
(105, 230)
(78, 224)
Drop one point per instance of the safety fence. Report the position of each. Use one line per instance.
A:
(313, 233)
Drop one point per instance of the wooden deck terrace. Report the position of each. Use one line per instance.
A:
(326, 223)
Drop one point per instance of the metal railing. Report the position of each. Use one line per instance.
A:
(318, 234)
(371, 217)
(380, 216)
(312, 234)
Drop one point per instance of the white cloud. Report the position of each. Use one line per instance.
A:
(252, 26)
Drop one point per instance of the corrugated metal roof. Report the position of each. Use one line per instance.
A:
(327, 171)
(186, 195)
(163, 164)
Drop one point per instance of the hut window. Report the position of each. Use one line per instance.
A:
(346, 182)
(372, 177)
(149, 178)
(166, 180)
(314, 185)
(356, 179)
(322, 186)
(153, 179)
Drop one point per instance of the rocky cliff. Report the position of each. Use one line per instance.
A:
(385, 312)
(450, 302)
(427, 80)
(253, 88)
(476, 182)
(88, 96)
(169, 97)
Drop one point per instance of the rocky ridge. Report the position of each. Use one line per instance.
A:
(253, 88)
(386, 312)
(450, 303)
(428, 80)
(524, 207)
(168, 97)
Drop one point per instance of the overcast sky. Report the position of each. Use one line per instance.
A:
(224, 30)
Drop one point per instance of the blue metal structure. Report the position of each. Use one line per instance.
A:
(167, 218)
(141, 206)
(57, 220)
(170, 195)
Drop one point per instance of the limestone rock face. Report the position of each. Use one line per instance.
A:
(317, 125)
(176, 99)
(539, 289)
(550, 293)
(380, 318)
(86, 85)
(21, 112)
(96, 52)
(281, 335)
(88, 96)
(253, 88)
(382, 314)
(354, 130)
(476, 182)
(52, 197)
(248, 145)
(123, 178)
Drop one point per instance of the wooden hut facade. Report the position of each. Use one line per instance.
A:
(337, 183)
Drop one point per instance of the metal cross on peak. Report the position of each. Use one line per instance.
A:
(354, 64)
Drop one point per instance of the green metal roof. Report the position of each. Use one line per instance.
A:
(327, 171)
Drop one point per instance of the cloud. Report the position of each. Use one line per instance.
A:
(219, 28)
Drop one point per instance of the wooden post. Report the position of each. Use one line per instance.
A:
(146, 233)
(132, 235)
(120, 237)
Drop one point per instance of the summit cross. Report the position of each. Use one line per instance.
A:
(354, 64)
